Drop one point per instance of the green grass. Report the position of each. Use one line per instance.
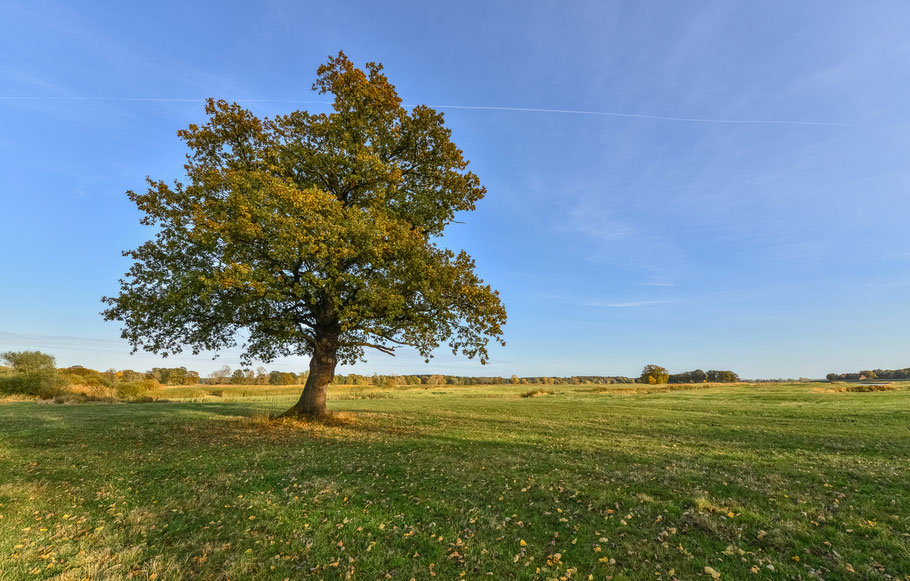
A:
(462, 481)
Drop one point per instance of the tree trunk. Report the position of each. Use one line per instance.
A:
(322, 370)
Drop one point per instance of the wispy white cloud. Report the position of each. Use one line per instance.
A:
(15, 76)
(134, 64)
(615, 228)
(38, 341)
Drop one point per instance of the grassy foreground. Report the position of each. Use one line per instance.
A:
(771, 482)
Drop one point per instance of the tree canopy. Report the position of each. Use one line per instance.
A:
(311, 234)
(30, 363)
(654, 374)
(34, 373)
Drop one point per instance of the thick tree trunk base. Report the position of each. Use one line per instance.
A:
(296, 413)
(311, 404)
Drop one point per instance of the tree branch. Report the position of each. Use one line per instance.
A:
(386, 337)
(385, 349)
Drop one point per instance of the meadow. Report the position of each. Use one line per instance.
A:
(774, 481)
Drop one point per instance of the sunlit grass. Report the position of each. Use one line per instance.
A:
(782, 480)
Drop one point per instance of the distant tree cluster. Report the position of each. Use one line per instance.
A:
(159, 375)
(173, 376)
(424, 379)
(653, 374)
(384, 380)
(31, 371)
(715, 376)
(124, 383)
(871, 374)
(35, 373)
(404, 380)
(697, 376)
(657, 374)
(261, 376)
(600, 379)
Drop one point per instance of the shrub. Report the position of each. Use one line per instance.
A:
(44, 387)
(78, 375)
(861, 388)
(14, 384)
(129, 389)
(93, 381)
(133, 390)
(537, 393)
(150, 384)
(34, 373)
(52, 388)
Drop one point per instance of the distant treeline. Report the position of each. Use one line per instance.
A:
(699, 376)
(79, 375)
(162, 375)
(224, 376)
(871, 374)
(261, 376)
(436, 379)
(36, 373)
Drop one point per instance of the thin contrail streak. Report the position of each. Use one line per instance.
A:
(643, 116)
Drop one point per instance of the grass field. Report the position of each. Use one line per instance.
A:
(741, 482)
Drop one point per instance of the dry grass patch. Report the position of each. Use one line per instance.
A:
(856, 388)
(537, 393)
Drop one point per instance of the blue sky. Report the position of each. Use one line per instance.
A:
(744, 206)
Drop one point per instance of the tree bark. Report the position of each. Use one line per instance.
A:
(322, 370)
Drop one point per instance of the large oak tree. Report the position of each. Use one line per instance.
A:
(311, 234)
